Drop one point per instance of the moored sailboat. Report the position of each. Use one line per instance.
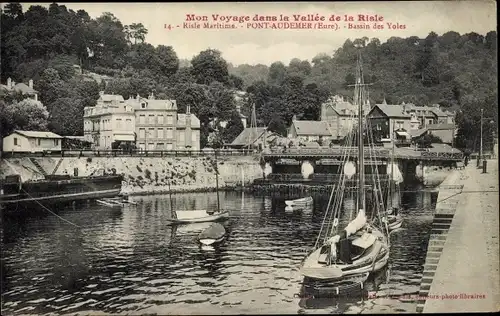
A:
(362, 246)
(199, 216)
(394, 219)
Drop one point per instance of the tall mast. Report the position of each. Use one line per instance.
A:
(253, 126)
(174, 215)
(361, 154)
(392, 163)
(217, 180)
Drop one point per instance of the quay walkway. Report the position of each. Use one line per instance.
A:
(461, 272)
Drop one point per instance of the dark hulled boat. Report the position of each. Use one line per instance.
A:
(56, 189)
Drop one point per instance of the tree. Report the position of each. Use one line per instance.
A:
(277, 72)
(209, 66)
(63, 114)
(167, 60)
(233, 128)
(27, 114)
(135, 31)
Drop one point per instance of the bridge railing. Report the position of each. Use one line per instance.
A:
(130, 153)
(337, 151)
(318, 177)
(442, 155)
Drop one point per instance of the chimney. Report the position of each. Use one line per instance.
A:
(294, 118)
(137, 97)
(404, 108)
(101, 92)
(238, 108)
(31, 83)
(9, 83)
(188, 110)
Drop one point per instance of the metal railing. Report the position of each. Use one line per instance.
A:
(353, 151)
(131, 153)
(316, 177)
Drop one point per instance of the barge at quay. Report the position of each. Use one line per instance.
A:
(57, 189)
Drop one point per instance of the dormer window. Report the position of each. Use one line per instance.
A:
(143, 105)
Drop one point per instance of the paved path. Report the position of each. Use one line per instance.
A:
(469, 261)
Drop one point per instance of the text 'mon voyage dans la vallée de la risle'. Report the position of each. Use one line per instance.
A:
(293, 21)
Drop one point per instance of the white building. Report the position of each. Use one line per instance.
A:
(30, 141)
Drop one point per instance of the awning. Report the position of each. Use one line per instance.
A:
(124, 138)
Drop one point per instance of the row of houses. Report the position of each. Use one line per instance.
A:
(148, 123)
(338, 116)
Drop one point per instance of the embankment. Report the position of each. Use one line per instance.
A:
(144, 175)
(433, 176)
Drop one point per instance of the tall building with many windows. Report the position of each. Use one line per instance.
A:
(155, 125)
(111, 120)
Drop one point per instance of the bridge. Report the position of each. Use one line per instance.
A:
(401, 153)
(315, 165)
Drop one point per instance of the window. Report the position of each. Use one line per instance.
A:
(399, 124)
(142, 133)
(160, 119)
(170, 119)
(142, 119)
(160, 146)
(128, 123)
(15, 141)
(181, 137)
(170, 133)
(151, 133)
(193, 137)
(118, 123)
(56, 142)
(39, 141)
(151, 119)
(170, 146)
(151, 146)
(379, 128)
(160, 133)
(142, 146)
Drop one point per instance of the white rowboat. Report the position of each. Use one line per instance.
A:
(212, 235)
(198, 216)
(302, 202)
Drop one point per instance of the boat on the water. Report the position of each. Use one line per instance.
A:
(57, 189)
(198, 216)
(212, 235)
(297, 203)
(393, 218)
(394, 221)
(116, 202)
(362, 246)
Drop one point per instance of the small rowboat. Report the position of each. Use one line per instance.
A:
(303, 202)
(394, 222)
(212, 235)
(198, 216)
(115, 202)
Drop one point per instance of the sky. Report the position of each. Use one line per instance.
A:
(253, 46)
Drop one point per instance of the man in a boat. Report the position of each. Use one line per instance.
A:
(343, 251)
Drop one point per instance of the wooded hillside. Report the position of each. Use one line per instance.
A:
(454, 70)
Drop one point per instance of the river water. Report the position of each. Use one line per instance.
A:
(132, 262)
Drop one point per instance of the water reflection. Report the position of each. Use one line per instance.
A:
(135, 262)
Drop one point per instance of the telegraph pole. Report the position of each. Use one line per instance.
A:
(481, 144)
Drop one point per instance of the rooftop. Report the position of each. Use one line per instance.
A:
(314, 128)
(391, 110)
(36, 134)
(248, 136)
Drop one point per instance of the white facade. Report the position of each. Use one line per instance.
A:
(28, 141)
